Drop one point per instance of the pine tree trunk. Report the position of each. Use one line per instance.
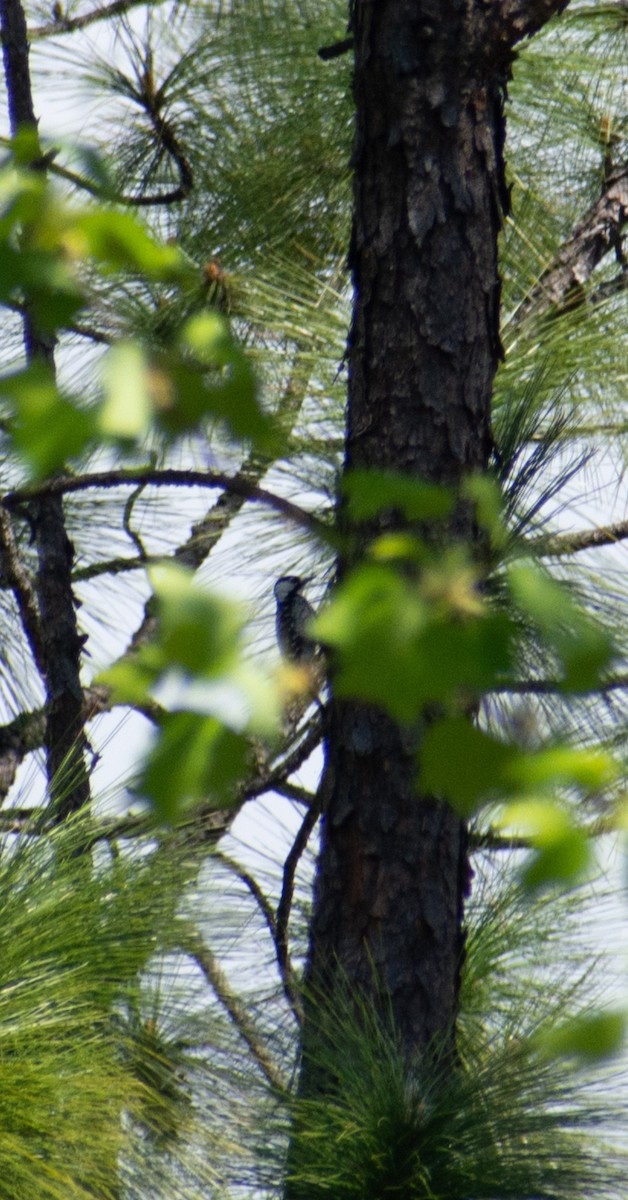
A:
(59, 641)
(424, 346)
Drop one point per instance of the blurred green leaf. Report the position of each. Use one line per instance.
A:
(194, 758)
(46, 428)
(462, 764)
(561, 850)
(197, 631)
(402, 645)
(117, 241)
(584, 648)
(371, 491)
(126, 409)
(589, 770)
(591, 1037)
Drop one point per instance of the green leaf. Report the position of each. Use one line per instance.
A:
(372, 491)
(562, 851)
(462, 764)
(194, 759)
(127, 407)
(590, 1038)
(584, 648)
(118, 242)
(401, 649)
(589, 770)
(133, 679)
(218, 381)
(197, 632)
(46, 428)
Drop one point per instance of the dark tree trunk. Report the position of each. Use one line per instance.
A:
(423, 351)
(58, 642)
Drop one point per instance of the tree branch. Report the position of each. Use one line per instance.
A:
(102, 12)
(504, 23)
(584, 539)
(543, 687)
(21, 585)
(285, 905)
(59, 645)
(593, 237)
(237, 485)
(215, 976)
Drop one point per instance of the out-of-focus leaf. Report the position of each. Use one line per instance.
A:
(126, 409)
(372, 491)
(197, 631)
(589, 770)
(402, 648)
(590, 1038)
(118, 242)
(46, 428)
(195, 758)
(462, 764)
(561, 851)
(584, 648)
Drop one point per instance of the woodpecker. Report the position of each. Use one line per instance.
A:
(292, 617)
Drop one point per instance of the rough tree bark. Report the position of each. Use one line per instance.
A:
(57, 643)
(429, 194)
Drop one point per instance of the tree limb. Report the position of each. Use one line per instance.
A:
(543, 687)
(215, 976)
(285, 905)
(504, 23)
(593, 237)
(102, 12)
(21, 585)
(584, 539)
(237, 485)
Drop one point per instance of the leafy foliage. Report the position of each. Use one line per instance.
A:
(224, 315)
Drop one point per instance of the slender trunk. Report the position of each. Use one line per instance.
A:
(424, 346)
(59, 642)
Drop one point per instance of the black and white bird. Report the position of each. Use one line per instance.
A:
(293, 615)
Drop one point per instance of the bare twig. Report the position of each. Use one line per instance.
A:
(251, 883)
(292, 791)
(267, 781)
(103, 12)
(584, 539)
(285, 904)
(543, 687)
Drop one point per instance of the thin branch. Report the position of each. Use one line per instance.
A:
(21, 585)
(276, 775)
(504, 23)
(543, 687)
(102, 12)
(168, 477)
(336, 49)
(489, 839)
(126, 522)
(254, 888)
(593, 237)
(114, 566)
(584, 539)
(285, 904)
(292, 791)
(215, 976)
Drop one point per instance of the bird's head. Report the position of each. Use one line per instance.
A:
(289, 585)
